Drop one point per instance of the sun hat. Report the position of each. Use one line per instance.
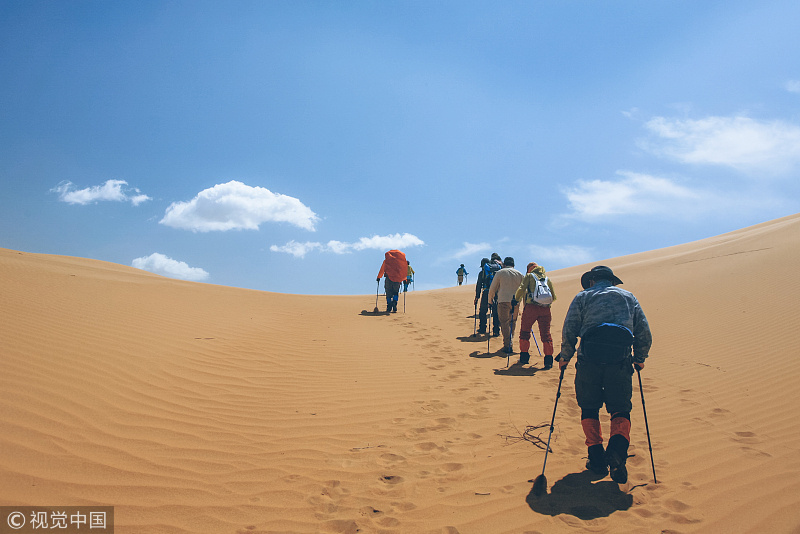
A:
(601, 272)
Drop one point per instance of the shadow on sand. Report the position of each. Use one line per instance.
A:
(373, 313)
(473, 338)
(478, 354)
(517, 370)
(582, 496)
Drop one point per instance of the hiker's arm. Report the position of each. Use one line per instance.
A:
(521, 289)
(569, 334)
(642, 338)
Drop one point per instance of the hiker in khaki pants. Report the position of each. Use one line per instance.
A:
(504, 286)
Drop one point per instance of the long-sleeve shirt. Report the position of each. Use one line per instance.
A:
(505, 284)
(605, 303)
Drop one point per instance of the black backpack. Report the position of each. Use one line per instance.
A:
(606, 344)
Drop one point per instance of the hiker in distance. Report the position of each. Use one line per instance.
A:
(461, 272)
(395, 269)
(537, 299)
(615, 339)
(504, 287)
(488, 269)
(409, 278)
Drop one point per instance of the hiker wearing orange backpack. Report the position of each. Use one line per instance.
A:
(395, 269)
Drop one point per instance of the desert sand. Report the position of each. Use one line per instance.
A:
(195, 408)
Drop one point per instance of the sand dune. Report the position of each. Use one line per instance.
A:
(199, 408)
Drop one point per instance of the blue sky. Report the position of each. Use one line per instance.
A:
(285, 146)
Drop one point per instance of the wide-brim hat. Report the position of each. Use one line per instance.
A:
(601, 272)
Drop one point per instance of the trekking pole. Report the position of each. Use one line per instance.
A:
(488, 326)
(404, 301)
(510, 338)
(537, 343)
(646, 426)
(377, 291)
(540, 484)
(475, 324)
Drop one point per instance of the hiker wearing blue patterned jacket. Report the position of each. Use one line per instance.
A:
(615, 338)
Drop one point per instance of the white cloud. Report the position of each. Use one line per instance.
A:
(298, 250)
(793, 86)
(561, 256)
(166, 266)
(739, 142)
(633, 194)
(111, 190)
(392, 241)
(236, 206)
(471, 249)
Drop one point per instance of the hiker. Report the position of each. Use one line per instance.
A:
(409, 278)
(534, 311)
(488, 269)
(610, 322)
(461, 272)
(395, 269)
(503, 288)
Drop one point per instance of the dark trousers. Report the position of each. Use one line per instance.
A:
(484, 310)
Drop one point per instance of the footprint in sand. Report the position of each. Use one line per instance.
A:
(340, 526)
(755, 453)
(428, 446)
(390, 459)
(746, 437)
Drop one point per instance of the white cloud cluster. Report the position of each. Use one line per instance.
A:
(631, 194)
(392, 241)
(471, 249)
(739, 142)
(111, 190)
(236, 206)
(561, 256)
(166, 266)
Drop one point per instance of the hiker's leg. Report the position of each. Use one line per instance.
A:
(618, 391)
(528, 317)
(545, 318)
(504, 311)
(589, 394)
(495, 320)
(484, 310)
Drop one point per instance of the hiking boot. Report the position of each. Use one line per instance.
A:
(481, 331)
(615, 457)
(524, 358)
(597, 461)
(548, 363)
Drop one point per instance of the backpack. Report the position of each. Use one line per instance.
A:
(541, 294)
(489, 270)
(606, 344)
